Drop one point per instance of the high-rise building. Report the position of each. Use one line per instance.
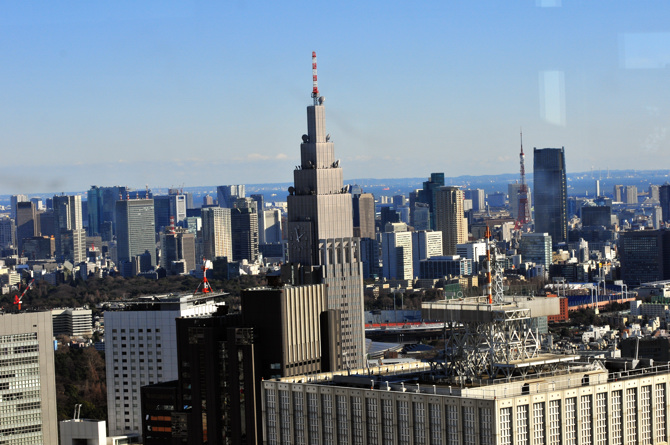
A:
(449, 218)
(475, 251)
(244, 230)
(135, 231)
(364, 214)
(320, 230)
(69, 231)
(228, 194)
(653, 192)
(27, 380)
(664, 199)
(550, 193)
(141, 349)
(217, 233)
(7, 232)
(397, 261)
(617, 193)
(536, 248)
(272, 231)
(645, 256)
(27, 222)
(425, 244)
(13, 201)
(478, 198)
(427, 195)
(630, 194)
(207, 201)
(102, 207)
(178, 251)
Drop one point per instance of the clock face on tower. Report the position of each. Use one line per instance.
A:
(301, 239)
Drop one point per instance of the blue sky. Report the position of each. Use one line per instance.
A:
(204, 93)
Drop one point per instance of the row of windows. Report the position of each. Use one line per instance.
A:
(133, 330)
(13, 338)
(19, 361)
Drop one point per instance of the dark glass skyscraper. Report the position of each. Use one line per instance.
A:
(664, 199)
(550, 192)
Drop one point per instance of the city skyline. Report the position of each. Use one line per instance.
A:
(164, 93)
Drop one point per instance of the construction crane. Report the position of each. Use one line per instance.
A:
(18, 300)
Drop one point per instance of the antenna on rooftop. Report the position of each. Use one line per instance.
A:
(315, 86)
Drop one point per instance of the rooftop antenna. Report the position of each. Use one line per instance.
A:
(315, 86)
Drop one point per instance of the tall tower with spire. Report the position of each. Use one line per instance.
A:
(320, 230)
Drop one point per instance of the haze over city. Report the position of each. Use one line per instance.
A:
(168, 93)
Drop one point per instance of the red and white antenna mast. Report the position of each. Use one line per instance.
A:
(315, 86)
(524, 212)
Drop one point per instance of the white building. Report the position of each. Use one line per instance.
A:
(397, 255)
(72, 322)
(141, 349)
(425, 244)
(472, 251)
(27, 380)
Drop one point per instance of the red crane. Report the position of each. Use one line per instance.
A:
(18, 300)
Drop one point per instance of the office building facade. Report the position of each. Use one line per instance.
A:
(425, 244)
(27, 380)
(536, 248)
(135, 231)
(397, 261)
(578, 408)
(141, 349)
(217, 233)
(664, 199)
(550, 193)
(27, 222)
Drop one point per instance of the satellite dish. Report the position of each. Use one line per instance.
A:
(321, 100)
(327, 137)
(291, 190)
(305, 138)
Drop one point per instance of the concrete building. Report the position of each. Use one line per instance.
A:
(72, 322)
(473, 251)
(217, 233)
(272, 231)
(570, 406)
(449, 218)
(550, 193)
(320, 231)
(83, 431)
(630, 194)
(135, 231)
(425, 244)
(536, 248)
(364, 215)
(397, 261)
(228, 194)
(27, 379)
(141, 349)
